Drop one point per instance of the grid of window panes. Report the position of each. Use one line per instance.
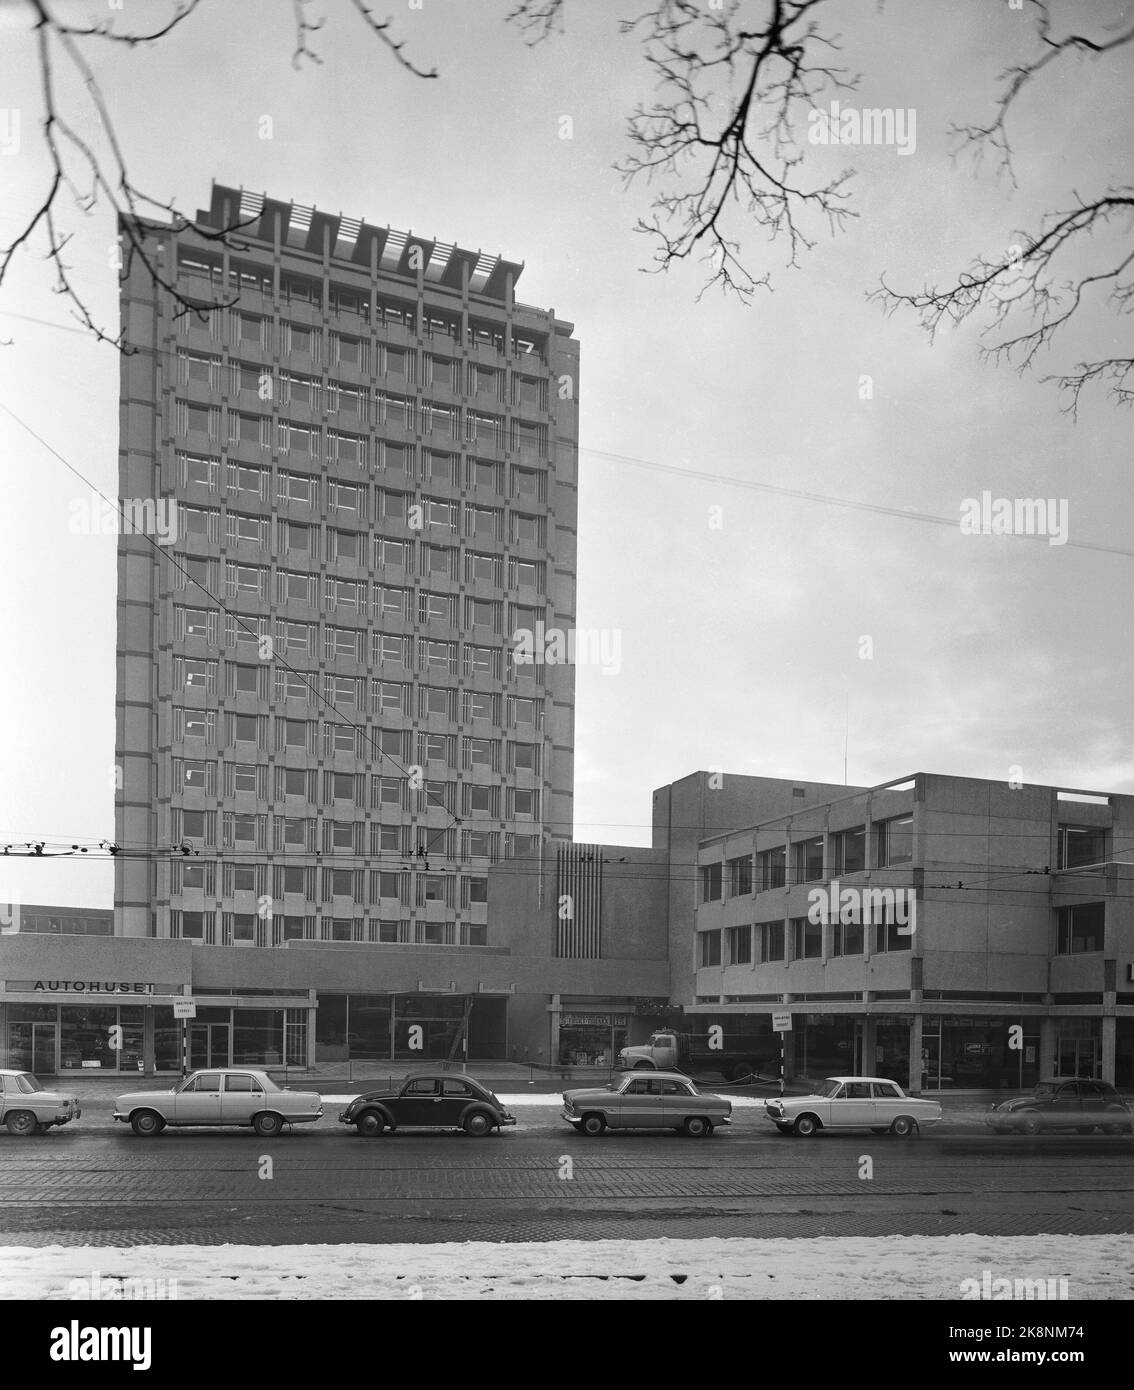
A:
(375, 510)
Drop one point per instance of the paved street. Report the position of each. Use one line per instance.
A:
(98, 1184)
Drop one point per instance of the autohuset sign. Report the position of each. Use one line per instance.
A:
(82, 986)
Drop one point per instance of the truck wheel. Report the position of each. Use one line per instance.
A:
(22, 1123)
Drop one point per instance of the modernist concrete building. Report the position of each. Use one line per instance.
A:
(1001, 949)
(372, 449)
(588, 949)
(555, 985)
(946, 931)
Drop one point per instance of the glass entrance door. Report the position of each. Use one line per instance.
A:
(31, 1047)
(209, 1045)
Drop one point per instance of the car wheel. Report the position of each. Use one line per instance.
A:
(1030, 1124)
(697, 1127)
(593, 1124)
(806, 1126)
(147, 1123)
(903, 1126)
(268, 1124)
(370, 1124)
(1115, 1126)
(478, 1124)
(22, 1123)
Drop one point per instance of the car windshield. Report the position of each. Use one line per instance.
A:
(1045, 1088)
(27, 1083)
(829, 1088)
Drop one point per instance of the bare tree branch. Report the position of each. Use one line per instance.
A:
(73, 160)
(105, 31)
(539, 18)
(303, 27)
(1031, 297)
(766, 73)
(994, 135)
(395, 48)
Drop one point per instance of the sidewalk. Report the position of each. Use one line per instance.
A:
(513, 1078)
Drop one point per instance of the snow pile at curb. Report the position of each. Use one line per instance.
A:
(890, 1267)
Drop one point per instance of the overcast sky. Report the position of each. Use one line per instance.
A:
(741, 628)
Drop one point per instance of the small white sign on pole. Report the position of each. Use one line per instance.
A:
(781, 1023)
(185, 1008)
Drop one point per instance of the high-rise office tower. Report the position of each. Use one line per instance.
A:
(372, 448)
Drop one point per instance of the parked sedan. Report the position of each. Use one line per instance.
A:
(662, 1100)
(221, 1096)
(853, 1102)
(1064, 1103)
(27, 1108)
(438, 1100)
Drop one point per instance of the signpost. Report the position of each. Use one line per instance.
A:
(184, 1009)
(781, 1023)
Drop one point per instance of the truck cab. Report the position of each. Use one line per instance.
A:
(662, 1053)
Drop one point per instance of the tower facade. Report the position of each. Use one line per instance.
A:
(361, 468)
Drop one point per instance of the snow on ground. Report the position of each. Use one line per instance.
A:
(890, 1267)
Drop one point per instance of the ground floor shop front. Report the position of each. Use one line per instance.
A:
(158, 1007)
(940, 1051)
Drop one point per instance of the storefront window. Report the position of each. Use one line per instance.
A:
(331, 1028)
(892, 1051)
(167, 1039)
(591, 1040)
(425, 1026)
(257, 1037)
(976, 1053)
(369, 1036)
(357, 1027)
(824, 1046)
(101, 1037)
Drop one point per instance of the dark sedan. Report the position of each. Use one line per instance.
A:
(434, 1100)
(1064, 1103)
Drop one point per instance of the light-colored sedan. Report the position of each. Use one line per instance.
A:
(27, 1108)
(662, 1100)
(853, 1102)
(220, 1096)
